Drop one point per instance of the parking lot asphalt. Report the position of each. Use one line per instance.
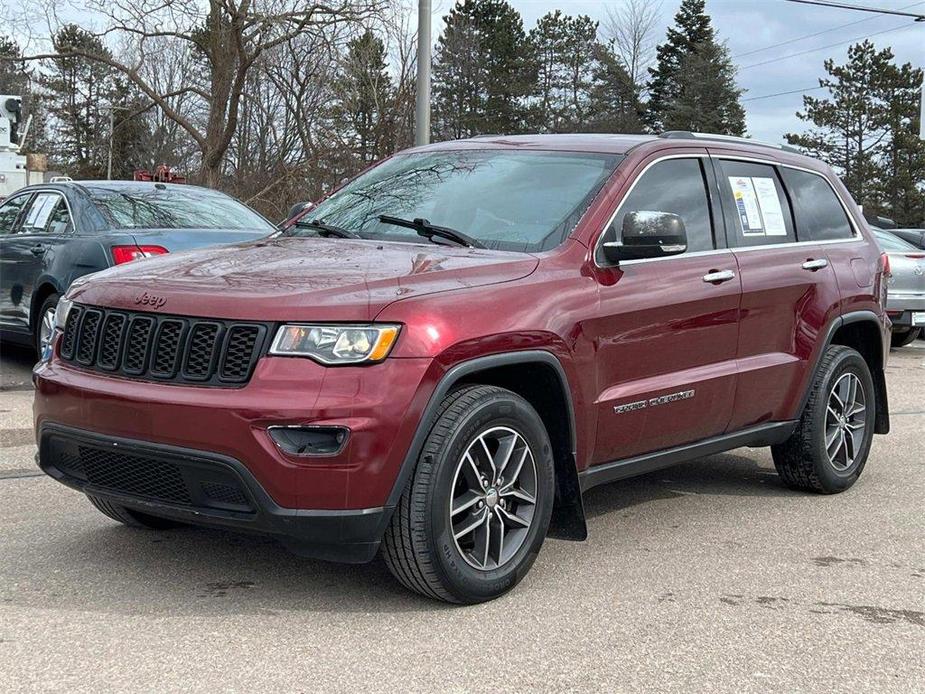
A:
(711, 576)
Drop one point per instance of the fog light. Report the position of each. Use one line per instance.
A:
(309, 440)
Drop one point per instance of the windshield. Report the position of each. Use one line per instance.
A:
(507, 200)
(151, 207)
(889, 242)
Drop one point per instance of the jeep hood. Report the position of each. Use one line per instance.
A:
(292, 279)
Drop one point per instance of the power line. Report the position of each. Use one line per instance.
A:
(795, 91)
(822, 48)
(860, 8)
(818, 33)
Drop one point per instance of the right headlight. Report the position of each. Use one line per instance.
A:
(335, 344)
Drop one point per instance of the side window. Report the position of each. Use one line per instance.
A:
(677, 186)
(9, 211)
(819, 214)
(60, 220)
(38, 214)
(756, 206)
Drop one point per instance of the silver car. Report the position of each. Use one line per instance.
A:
(905, 302)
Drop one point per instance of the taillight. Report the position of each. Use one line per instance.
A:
(126, 254)
(884, 277)
(915, 256)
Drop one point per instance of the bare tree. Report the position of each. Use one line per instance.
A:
(225, 40)
(633, 26)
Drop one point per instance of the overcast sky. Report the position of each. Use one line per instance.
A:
(750, 25)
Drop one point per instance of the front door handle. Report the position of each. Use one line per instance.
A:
(716, 276)
(814, 265)
(37, 249)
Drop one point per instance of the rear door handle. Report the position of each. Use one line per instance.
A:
(38, 249)
(717, 276)
(814, 265)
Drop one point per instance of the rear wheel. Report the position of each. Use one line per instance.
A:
(905, 337)
(130, 517)
(45, 324)
(475, 513)
(828, 450)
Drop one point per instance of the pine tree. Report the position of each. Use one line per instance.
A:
(482, 70)
(79, 91)
(563, 50)
(867, 129)
(613, 107)
(692, 85)
(364, 99)
(902, 179)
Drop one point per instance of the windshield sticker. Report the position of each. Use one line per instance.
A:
(747, 205)
(769, 202)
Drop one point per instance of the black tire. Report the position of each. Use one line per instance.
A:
(803, 461)
(419, 546)
(50, 303)
(130, 517)
(902, 338)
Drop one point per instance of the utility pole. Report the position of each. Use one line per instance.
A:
(109, 159)
(422, 102)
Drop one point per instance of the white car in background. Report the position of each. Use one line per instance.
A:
(905, 301)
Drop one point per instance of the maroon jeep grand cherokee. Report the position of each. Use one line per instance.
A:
(446, 353)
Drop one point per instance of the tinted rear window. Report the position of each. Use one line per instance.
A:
(174, 208)
(819, 214)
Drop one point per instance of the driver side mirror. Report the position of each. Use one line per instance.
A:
(647, 234)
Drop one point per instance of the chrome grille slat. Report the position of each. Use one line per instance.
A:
(169, 349)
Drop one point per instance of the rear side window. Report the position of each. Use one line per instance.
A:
(677, 186)
(39, 212)
(9, 211)
(756, 207)
(60, 220)
(819, 214)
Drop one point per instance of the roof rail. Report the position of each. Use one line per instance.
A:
(686, 135)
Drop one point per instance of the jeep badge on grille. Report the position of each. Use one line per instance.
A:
(151, 300)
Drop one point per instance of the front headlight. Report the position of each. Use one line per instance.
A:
(61, 310)
(336, 344)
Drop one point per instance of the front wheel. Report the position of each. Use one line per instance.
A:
(475, 512)
(828, 450)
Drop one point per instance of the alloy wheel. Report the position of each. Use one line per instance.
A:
(493, 500)
(46, 330)
(845, 421)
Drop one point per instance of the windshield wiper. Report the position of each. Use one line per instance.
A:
(429, 231)
(325, 229)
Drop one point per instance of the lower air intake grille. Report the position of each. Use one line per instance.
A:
(134, 475)
(149, 473)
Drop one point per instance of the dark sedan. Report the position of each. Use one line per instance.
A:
(51, 234)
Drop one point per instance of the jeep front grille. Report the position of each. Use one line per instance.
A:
(173, 349)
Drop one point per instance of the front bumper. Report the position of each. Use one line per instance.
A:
(380, 405)
(200, 488)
